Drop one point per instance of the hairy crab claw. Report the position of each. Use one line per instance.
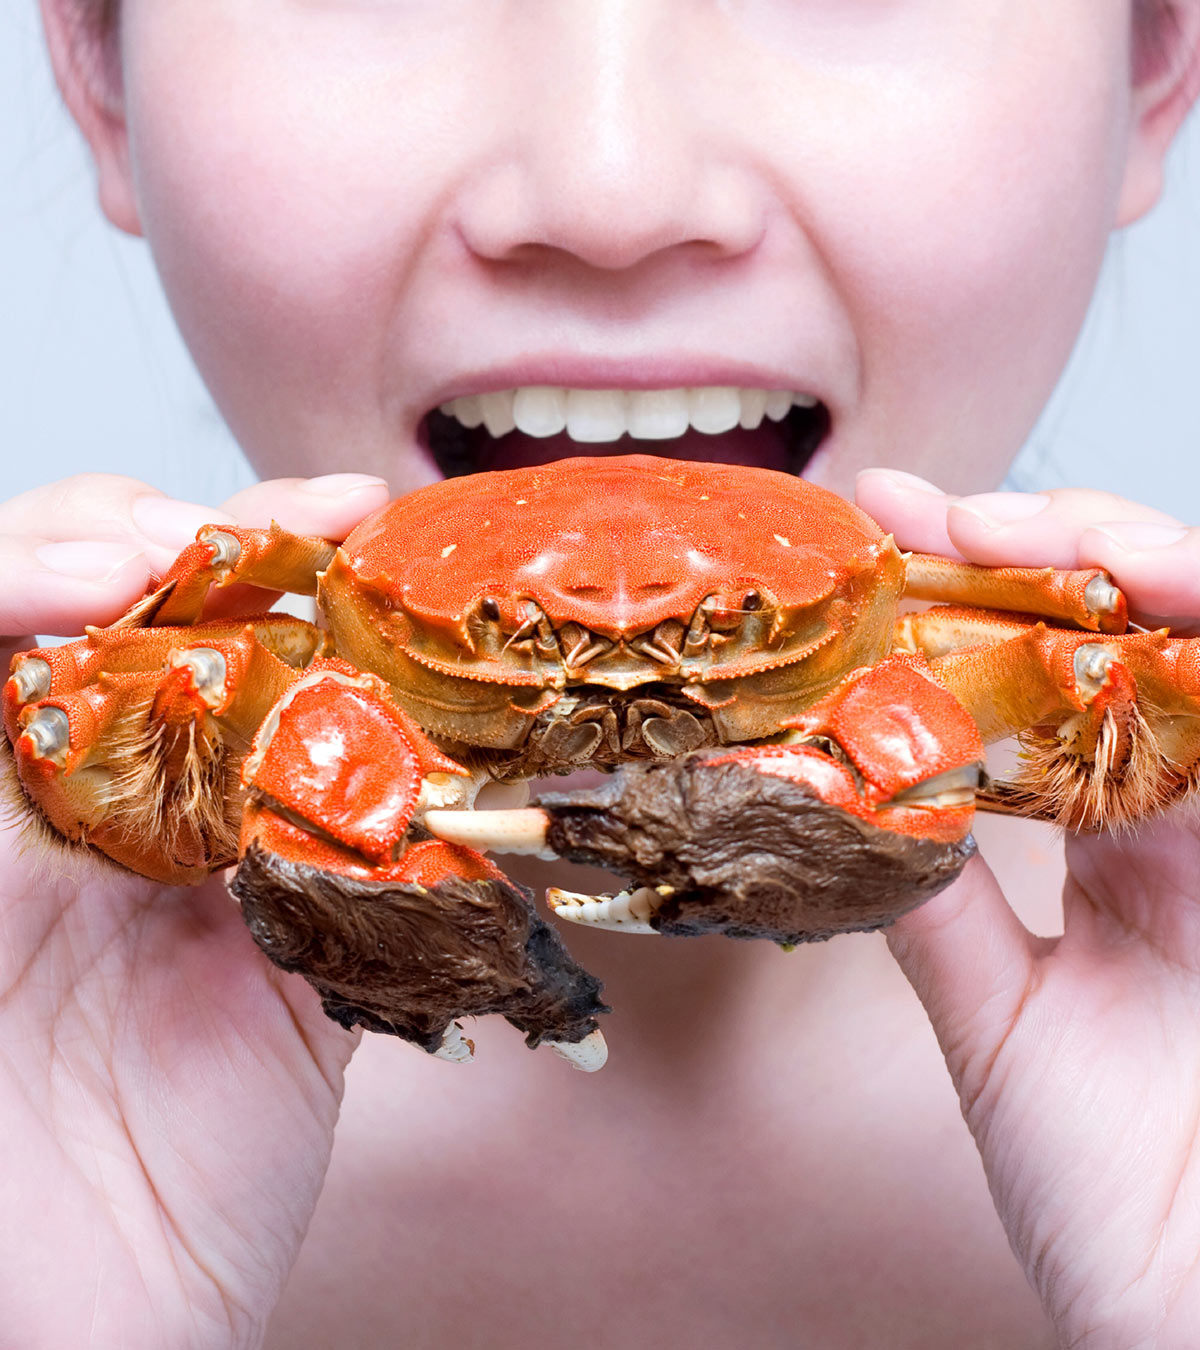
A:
(513, 428)
(622, 829)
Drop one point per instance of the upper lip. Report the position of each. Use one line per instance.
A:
(569, 371)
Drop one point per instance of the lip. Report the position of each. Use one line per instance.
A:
(572, 371)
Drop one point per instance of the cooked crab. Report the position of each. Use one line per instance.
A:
(792, 756)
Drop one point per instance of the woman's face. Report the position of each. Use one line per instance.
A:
(363, 209)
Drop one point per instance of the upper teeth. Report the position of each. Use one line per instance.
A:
(607, 414)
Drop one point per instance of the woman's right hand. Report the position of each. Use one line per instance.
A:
(1077, 1057)
(168, 1096)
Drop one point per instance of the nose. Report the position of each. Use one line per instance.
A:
(607, 146)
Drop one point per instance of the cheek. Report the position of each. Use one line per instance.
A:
(996, 226)
(998, 229)
(285, 178)
(963, 212)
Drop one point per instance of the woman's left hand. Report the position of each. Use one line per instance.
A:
(1077, 1058)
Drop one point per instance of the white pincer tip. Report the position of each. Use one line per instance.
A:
(520, 830)
(586, 1055)
(628, 912)
(455, 1048)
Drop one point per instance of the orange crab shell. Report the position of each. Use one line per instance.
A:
(497, 579)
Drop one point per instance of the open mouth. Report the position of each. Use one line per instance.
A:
(518, 428)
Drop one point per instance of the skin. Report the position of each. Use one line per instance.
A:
(323, 186)
(492, 198)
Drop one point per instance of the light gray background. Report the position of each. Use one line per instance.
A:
(94, 377)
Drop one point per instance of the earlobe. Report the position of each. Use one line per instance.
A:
(1166, 82)
(82, 39)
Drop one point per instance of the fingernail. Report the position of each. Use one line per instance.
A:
(1003, 508)
(1135, 535)
(340, 484)
(171, 524)
(904, 480)
(86, 559)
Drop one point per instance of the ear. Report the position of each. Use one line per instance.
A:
(1166, 82)
(83, 39)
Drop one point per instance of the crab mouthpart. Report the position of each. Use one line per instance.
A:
(785, 442)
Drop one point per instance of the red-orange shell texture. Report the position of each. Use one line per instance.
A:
(617, 545)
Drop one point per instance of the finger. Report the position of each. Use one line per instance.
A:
(908, 507)
(330, 506)
(1039, 529)
(970, 961)
(164, 527)
(57, 587)
(1156, 565)
(1140, 882)
(108, 508)
(84, 506)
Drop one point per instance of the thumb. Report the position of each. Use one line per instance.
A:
(971, 963)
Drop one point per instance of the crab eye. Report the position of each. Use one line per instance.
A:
(752, 601)
(726, 613)
(490, 609)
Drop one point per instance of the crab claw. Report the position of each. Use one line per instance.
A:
(397, 933)
(891, 746)
(412, 957)
(863, 814)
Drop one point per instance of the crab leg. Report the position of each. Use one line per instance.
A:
(52, 671)
(1110, 725)
(1088, 599)
(273, 559)
(130, 742)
